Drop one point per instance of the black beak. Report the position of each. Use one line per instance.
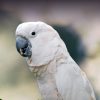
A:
(23, 46)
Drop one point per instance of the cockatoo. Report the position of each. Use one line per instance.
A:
(57, 75)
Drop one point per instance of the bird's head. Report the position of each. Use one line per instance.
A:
(37, 42)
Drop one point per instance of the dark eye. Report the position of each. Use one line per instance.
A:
(33, 33)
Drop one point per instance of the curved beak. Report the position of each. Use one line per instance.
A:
(23, 46)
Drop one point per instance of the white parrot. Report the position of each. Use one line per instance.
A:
(57, 74)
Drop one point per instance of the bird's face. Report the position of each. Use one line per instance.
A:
(35, 42)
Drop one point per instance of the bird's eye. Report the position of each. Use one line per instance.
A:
(33, 33)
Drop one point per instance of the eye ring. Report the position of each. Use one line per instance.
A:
(33, 33)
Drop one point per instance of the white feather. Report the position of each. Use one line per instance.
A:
(58, 76)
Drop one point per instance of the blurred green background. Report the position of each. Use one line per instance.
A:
(77, 22)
